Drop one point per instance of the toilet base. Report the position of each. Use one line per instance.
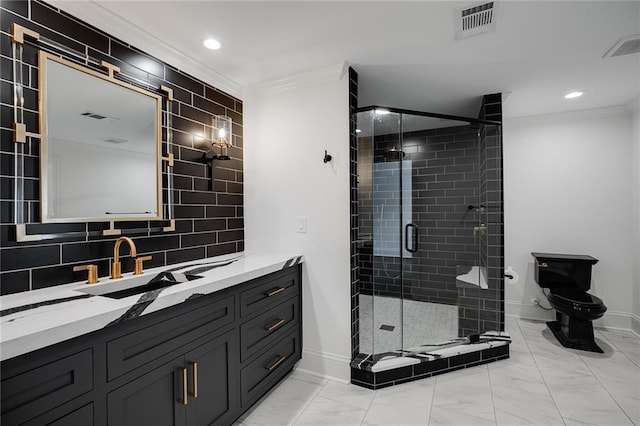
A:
(574, 333)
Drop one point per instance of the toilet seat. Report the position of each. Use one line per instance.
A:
(577, 303)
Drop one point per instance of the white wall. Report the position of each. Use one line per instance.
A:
(635, 166)
(568, 189)
(288, 126)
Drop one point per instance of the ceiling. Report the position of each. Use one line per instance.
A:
(405, 53)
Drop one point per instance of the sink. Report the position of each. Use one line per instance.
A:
(129, 286)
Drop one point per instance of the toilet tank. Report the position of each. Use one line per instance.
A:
(563, 270)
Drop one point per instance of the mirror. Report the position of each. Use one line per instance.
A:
(100, 151)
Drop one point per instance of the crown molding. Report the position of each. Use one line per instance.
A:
(307, 78)
(93, 13)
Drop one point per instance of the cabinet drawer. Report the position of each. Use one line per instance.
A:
(268, 327)
(29, 394)
(267, 369)
(136, 349)
(268, 290)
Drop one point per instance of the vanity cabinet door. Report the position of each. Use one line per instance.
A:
(152, 399)
(213, 389)
(196, 388)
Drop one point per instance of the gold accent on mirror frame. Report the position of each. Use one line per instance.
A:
(43, 57)
(169, 159)
(18, 32)
(111, 69)
(22, 236)
(168, 91)
(112, 230)
(20, 133)
(171, 227)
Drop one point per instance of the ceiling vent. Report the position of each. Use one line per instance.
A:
(624, 46)
(473, 20)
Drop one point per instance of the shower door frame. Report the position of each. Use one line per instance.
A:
(402, 228)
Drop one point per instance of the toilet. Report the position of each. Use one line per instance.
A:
(568, 277)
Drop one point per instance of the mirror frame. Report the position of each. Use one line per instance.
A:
(43, 57)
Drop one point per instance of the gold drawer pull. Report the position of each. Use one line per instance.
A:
(183, 401)
(274, 291)
(543, 265)
(275, 325)
(194, 370)
(277, 363)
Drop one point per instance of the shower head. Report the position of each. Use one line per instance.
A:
(394, 154)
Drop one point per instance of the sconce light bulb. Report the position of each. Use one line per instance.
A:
(222, 133)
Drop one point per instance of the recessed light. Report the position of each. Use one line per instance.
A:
(358, 131)
(573, 95)
(212, 43)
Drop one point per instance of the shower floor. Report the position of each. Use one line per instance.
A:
(424, 323)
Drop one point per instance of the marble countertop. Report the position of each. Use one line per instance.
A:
(39, 318)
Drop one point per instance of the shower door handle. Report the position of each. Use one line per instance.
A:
(414, 238)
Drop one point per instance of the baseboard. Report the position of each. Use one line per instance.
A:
(611, 319)
(327, 365)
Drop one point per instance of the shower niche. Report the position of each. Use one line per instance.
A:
(429, 275)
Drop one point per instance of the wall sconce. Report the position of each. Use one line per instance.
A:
(221, 138)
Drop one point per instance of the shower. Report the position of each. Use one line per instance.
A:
(425, 258)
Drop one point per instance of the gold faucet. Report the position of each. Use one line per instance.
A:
(116, 271)
(482, 229)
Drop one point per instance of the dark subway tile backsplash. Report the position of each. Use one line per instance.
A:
(208, 222)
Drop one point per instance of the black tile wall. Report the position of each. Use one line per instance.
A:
(208, 223)
(445, 182)
(354, 251)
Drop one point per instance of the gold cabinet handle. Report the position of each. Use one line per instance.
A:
(543, 265)
(274, 291)
(138, 269)
(92, 277)
(194, 372)
(275, 365)
(183, 372)
(275, 325)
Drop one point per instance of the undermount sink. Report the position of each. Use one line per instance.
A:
(125, 287)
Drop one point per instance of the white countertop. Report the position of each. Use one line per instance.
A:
(36, 319)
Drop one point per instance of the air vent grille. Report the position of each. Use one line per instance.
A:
(625, 46)
(477, 19)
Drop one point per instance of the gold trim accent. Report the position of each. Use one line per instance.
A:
(277, 363)
(138, 268)
(169, 159)
(543, 265)
(19, 133)
(92, 277)
(111, 69)
(171, 227)
(18, 32)
(112, 230)
(43, 57)
(22, 236)
(194, 368)
(274, 291)
(184, 400)
(168, 91)
(275, 325)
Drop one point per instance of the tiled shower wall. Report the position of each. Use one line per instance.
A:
(208, 222)
(355, 243)
(444, 168)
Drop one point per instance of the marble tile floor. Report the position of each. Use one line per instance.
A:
(423, 323)
(542, 383)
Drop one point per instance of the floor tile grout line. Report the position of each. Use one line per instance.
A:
(493, 401)
(606, 390)
(369, 407)
(540, 372)
(433, 397)
(308, 403)
(610, 341)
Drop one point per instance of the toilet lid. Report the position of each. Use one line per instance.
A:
(571, 295)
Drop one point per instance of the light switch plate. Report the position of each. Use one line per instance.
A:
(301, 224)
